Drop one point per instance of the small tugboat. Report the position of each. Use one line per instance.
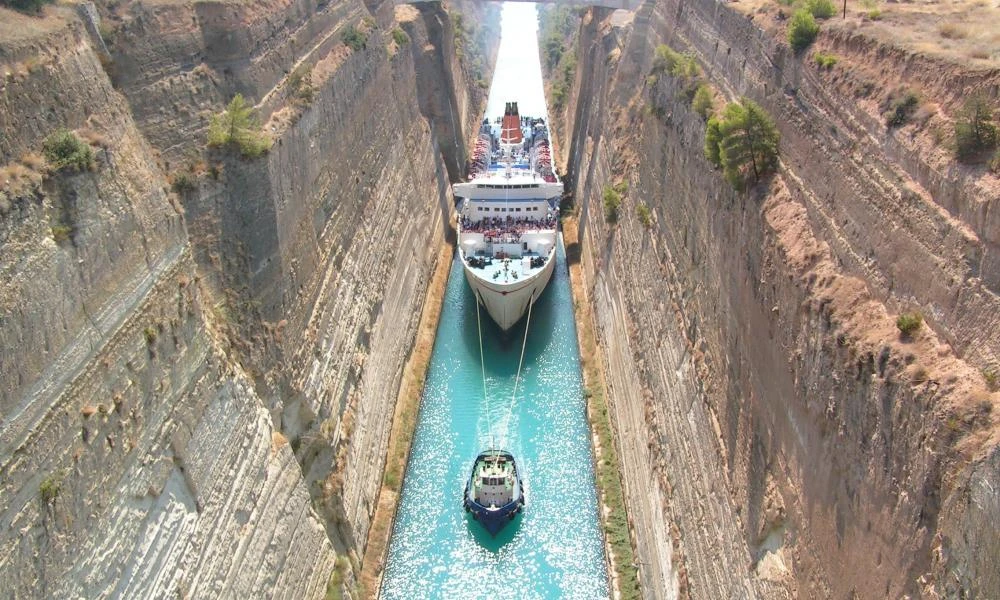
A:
(494, 494)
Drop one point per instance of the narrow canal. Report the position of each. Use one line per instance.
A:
(555, 549)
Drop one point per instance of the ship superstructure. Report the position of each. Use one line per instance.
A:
(508, 215)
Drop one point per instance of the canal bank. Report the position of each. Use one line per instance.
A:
(607, 467)
(404, 423)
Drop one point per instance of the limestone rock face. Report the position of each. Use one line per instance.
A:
(137, 461)
(801, 446)
(197, 381)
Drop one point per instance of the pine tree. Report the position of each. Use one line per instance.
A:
(749, 146)
(238, 128)
(713, 137)
(974, 129)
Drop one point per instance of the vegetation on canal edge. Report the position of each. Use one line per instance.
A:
(558, 52)
(607, 469)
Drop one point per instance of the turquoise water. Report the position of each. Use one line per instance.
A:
(555, 548)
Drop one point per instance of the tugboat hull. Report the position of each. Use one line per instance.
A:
(494, 520)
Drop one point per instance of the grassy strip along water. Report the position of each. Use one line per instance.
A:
(614, 518)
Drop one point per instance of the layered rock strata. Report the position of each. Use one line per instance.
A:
(136, 459)
(801, 445)
(198, 380)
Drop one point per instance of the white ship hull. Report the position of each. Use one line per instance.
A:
(507, 302)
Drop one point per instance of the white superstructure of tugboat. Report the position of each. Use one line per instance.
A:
(508, 215)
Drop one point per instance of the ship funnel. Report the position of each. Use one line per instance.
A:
(510, 132)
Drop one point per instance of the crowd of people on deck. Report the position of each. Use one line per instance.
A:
(509, 228)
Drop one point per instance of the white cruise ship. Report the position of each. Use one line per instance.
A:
(508, 215)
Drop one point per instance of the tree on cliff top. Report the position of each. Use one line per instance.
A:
(237, 129)
(802, 30)
(974, 129)
(27, 6)
(747, 142)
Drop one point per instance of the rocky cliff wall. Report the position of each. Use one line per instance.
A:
(189, 378)
(802, 448)
(136, 460)
(324, 247)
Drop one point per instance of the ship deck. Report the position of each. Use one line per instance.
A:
(494, 272)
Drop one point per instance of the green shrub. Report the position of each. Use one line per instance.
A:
(300, 87)
(821, 9)
(63, 150)
(644, 214)
(237, 129)
(149, 334)
(399, 36)
(61, 233)
(975, 131)
(26, 6)
(899, 107)
(612, 202)
(49, 488)
(824, 60)
(703, 101)
(909, 322)
(683, 67)
(995, 162)
(183, 183)
(556, 24)
(559, 94)
(874, 14)
(354, 38)
(802, 30)
(665, 59)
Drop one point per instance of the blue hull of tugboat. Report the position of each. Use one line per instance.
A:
(493, 520)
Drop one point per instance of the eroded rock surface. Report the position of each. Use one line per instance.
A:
(201, 353)
(801, 446)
